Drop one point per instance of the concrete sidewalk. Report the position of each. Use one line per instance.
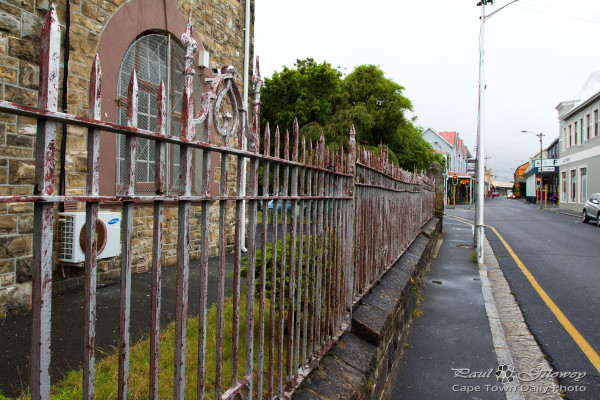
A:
(471, 325)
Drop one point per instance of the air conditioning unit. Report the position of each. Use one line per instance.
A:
(71, 236)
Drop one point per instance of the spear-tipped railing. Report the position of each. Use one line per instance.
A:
(345, 217)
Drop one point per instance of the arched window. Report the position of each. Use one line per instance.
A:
(154, 56)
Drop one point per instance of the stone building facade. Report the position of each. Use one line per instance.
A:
(111, 29)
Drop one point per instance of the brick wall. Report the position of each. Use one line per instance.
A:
(220, 26)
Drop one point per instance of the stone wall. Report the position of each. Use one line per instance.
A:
(361, 363)
(220, 26)
(436, 171)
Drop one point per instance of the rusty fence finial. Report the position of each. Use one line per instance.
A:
(295, 140)
(258, 83)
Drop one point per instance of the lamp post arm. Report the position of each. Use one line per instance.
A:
(490, 15)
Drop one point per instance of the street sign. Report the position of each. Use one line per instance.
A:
(547, 162)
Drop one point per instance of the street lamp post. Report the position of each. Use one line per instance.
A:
(541, 170)
(479, 225)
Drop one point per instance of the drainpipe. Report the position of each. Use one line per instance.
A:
(245, 100)
(63, 140)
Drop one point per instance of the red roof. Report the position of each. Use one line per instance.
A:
(459, 174)
(448, 136)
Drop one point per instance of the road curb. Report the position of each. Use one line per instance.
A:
(555, 210)
(513, 341)
(501, 348)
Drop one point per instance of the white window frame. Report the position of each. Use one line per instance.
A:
(588, 133)
(570, 137)
(582, 198)
(571, 194)
(564, 190)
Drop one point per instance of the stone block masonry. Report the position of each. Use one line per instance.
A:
(220, 26)
(359, 365)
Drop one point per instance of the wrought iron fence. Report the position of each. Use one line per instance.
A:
(391, 207)
(344, 220)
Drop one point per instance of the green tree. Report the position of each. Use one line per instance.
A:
(382, 98)
(324, 103)
(304, 92)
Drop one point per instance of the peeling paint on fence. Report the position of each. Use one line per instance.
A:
(333, 222)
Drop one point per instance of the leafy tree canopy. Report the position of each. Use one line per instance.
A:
(367, 86)
(324, 102)
(304, 92)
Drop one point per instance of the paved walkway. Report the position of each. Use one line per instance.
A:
(470, 327)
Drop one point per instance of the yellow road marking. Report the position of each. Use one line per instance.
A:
(581, 342)
(462, 219)
(577, 337)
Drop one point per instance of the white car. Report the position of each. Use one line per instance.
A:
(591, 209)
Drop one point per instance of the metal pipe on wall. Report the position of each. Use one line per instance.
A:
(63, 140)
(246, 91)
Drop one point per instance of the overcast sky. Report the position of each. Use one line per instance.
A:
(538, 53)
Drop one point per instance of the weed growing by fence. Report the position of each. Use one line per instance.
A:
(107, 368)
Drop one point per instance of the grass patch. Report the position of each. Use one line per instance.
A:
(474, 257)
(272, 259)
(416, 313)
(106, 386)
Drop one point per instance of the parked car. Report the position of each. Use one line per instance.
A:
(495, 194)
(591, 209)
(279, 203)
(510, 194)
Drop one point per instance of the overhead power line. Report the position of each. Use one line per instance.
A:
(540, 7)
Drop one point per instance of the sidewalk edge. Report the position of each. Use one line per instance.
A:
(513, 341)
(503, 353)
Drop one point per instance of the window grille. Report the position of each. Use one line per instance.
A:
(155, 57)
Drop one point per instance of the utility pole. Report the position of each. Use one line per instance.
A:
(541, 170)
(479, 174)
(479, 224)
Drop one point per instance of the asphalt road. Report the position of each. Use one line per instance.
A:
(563, 255)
